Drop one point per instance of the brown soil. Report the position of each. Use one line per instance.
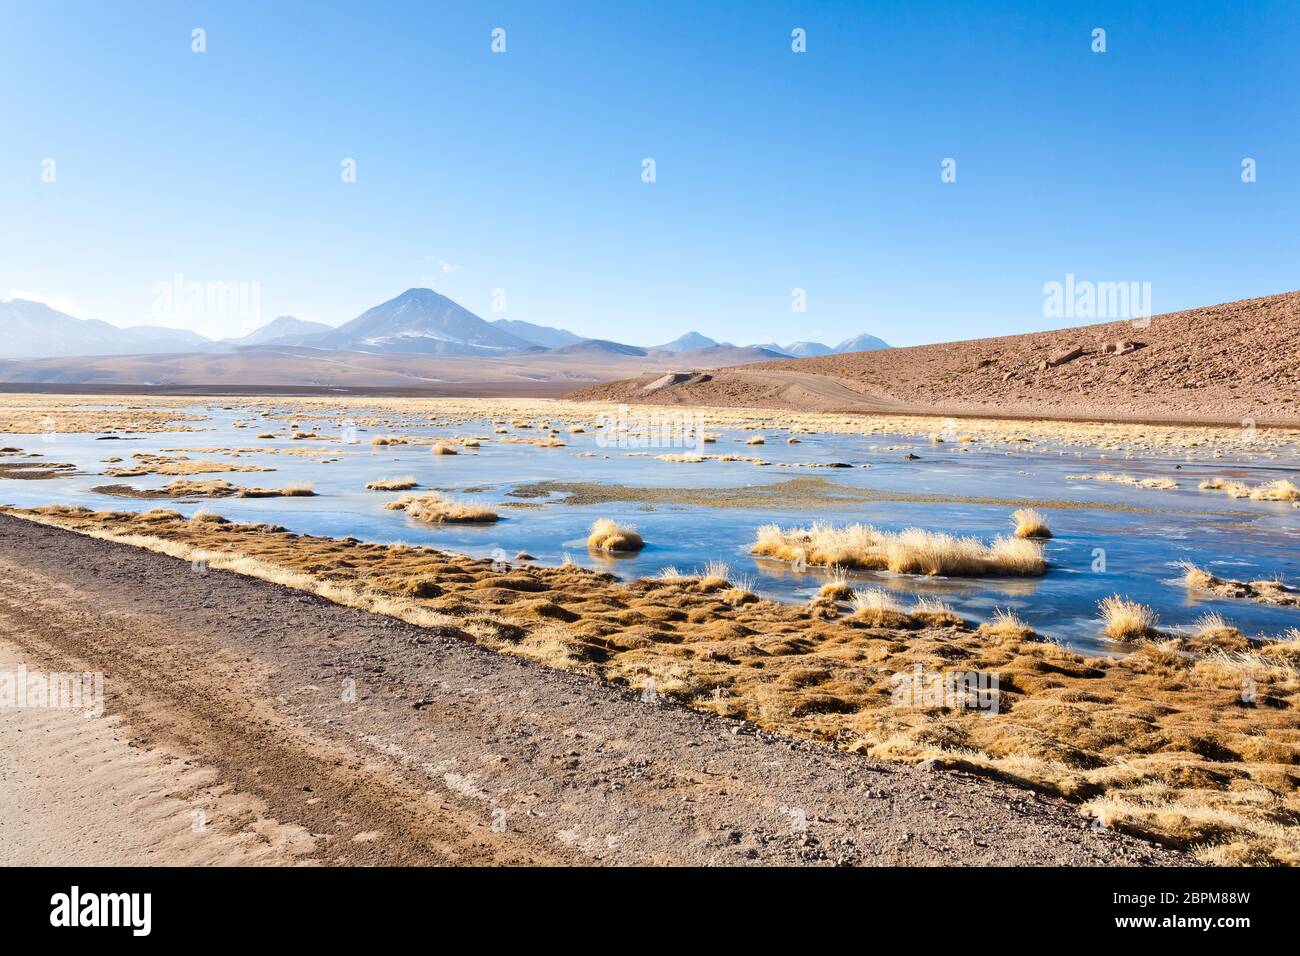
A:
(1161, 742)
(227, 695)
(1223, 363)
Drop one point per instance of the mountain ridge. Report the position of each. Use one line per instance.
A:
(418, 321)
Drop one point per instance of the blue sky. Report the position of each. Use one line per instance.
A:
(775, 170)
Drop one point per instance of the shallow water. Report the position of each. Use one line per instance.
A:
(1118, 539)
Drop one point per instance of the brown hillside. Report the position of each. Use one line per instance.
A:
(1239, 360)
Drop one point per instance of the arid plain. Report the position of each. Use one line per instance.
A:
(1091, 625)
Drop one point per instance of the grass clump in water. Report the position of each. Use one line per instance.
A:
(403, 483)
(606, 534)
(912, 551)
(1030, 523)
(439, 509)
(1125, 620)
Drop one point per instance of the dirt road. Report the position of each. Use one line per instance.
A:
(249, 723)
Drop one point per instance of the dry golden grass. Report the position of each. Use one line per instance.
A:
(148, 464)
(1006, 625)
(439, 509)
(913, 551)
(443, 448)
(1274, 592)
(1126, 620)
(550, 441)
(1166, 484)
(1279, 490)
(876, 607)
(694, 458)
(606, 534)
(837, 588)
(301, 489)
(755, 440)
(1195, 577)
(714, 576)
(31, 414)
(404, 483)
(934, 612)
(187, 488)
(1030, 523)
(1234, 489)
(74, 414)
(1165, 741)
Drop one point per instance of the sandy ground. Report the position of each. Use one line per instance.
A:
(76, 792)
(229, 696)
(1221, 364)
(290, 370)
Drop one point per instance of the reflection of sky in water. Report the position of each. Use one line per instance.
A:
(1239, 539)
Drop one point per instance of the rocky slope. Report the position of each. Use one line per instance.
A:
(1231, 362)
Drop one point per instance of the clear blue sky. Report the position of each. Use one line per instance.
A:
(775, 170)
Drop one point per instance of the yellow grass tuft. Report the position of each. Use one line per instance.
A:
(302, 489)
(1030, 523)
(1280, 490)
(608, 535)
(190, 488)
(755, 440)
(876, 607)
(1195, 577)
(837, 588)
(1165, 484)
(716, 574)
(439, 509)
(935, 612)
(404, 483)
(443, 448)
(913, 551)
(1007, 625)
(1127, 620)
(1215, 627)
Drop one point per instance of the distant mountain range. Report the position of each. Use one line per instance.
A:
(34, 330)
(286, 330)
(543, 335)
(419, 321)
(859, 343)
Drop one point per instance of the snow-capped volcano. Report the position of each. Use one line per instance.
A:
(421, 320)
